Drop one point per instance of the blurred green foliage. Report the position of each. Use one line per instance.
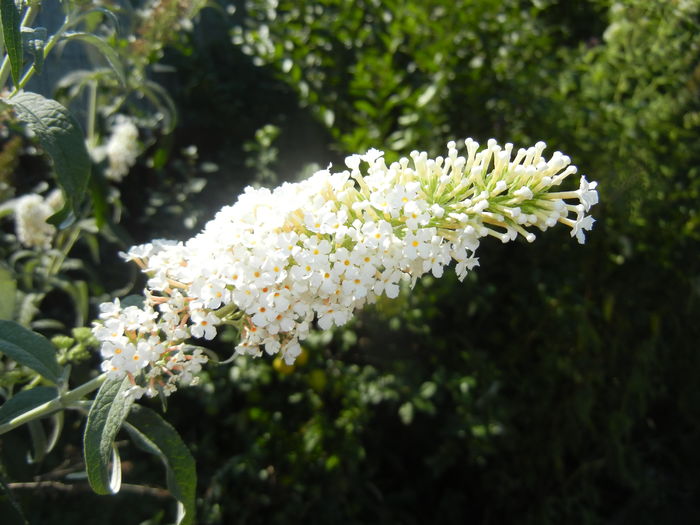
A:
(558, 383)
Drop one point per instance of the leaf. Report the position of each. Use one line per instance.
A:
(8, 296)
(29, 349)
(100, 207)
(427, 95)
(34, 41)
(62, 139)
(153, 434)
(11, 22)
(28, 307)
(163, 102)
(103, 47)
(40, 442)
(107, 413)
(75, 20)
(58, 419)
(77, 290)
(136, 300)
(24, 401)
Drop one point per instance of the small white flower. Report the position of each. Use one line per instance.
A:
(204, 324)
(112, 309)
(587, 193)
(418, 244)
(582, 224)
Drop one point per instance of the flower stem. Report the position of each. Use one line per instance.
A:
(62, 401)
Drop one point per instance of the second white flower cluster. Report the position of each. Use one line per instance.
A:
(276, 262)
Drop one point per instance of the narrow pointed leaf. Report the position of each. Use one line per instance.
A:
(40, 443)
(107, 413)
(29, 349)
(100, 207)
(11, 22)
(153, 434)
(62, 139)
(8, 294)
(105, 49)
(57, 419)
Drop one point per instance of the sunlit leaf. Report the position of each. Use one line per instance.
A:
(61, 137)
(107, 413)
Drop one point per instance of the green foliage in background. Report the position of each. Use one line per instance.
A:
(552, 387)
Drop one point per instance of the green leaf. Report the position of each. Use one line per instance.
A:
(29, 349)
(132, 300)
(78, 291)
(100, 207)
(86, 15)
(163, 102)
(8, 295)
(107, 413)
(40, 442)
(58, 419)
(103, 47)
(24, 401)
(153, 434)
(62, 139)
(11, 22)
(33, 42)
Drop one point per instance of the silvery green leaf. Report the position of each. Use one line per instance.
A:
(107, 413)
(62, 139)
(154, 435)
(11, 21)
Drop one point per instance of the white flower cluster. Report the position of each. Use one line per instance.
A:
(315, 251)
(121, 150)
(136, 343)
(31, 213)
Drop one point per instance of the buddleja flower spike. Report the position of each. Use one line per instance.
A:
(316, 251)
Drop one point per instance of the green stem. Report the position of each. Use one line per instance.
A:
(47, 49)
(92, 110)
(56, 264)
(34, 382)
(62, 401)
(30, 15)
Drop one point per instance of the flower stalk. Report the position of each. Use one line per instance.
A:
(65, 400)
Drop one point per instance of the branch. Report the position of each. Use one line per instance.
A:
(141, 490)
